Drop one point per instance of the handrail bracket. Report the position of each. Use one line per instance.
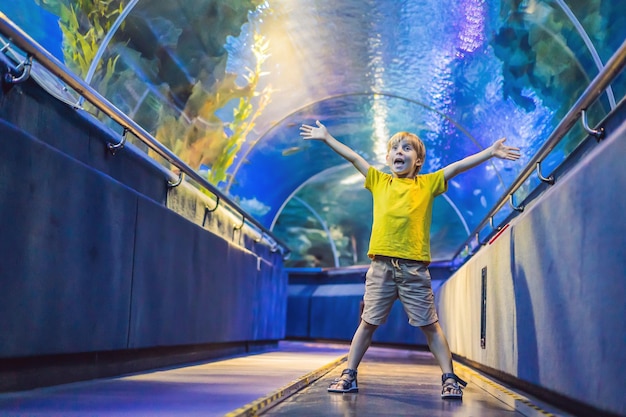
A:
(519, 208)
(114, 147)
(597, 133)
(171, 184)
(549, 180)
(25, 66)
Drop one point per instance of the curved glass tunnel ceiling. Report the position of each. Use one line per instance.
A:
(226, 84)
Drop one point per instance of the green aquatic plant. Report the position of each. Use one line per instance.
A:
(199, 136)
(244, 114)
(85, 24)
(166, 68)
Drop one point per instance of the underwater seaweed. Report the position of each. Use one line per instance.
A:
(199, 136)
(84, 24)
(166, 68)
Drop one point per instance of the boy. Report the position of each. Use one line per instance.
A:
(400, 245)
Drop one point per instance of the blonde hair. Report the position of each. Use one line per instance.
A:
(414, 140)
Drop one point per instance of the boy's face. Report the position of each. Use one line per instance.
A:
(402, 159)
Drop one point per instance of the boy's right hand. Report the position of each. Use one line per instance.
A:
(310, 132)
(320, 133)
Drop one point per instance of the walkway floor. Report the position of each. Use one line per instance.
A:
(290, 381)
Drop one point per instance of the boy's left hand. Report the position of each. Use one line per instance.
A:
(500, 150)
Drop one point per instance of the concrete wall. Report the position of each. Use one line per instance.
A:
(555, 287)
(93, 259)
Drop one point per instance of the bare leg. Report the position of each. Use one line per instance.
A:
(360, 343)
(439, 347)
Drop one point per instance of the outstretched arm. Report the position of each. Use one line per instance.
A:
(497, 150)
(321, 133)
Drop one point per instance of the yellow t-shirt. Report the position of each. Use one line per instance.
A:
(402, 213)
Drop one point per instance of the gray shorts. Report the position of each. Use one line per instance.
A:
(391, 278)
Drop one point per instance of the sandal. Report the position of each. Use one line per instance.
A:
(452, 390)
(345, 383)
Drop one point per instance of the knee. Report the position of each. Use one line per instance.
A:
(367, 327)
(431, 329)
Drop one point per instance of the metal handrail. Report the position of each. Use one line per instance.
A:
(35, 51)
(595, 89)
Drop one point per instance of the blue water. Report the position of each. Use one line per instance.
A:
(460, 74)
(39, 24)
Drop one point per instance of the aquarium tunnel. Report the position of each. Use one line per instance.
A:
(158, 205)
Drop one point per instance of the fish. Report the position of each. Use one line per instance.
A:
(294, 150)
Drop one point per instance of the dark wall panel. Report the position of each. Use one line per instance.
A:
(31, 108)
(94, 261)
(335, 311)
(326, 304)
(270, 298)
(75, 133)
(397, 329)
(298, 310)
(193, 287)
(67, 247)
